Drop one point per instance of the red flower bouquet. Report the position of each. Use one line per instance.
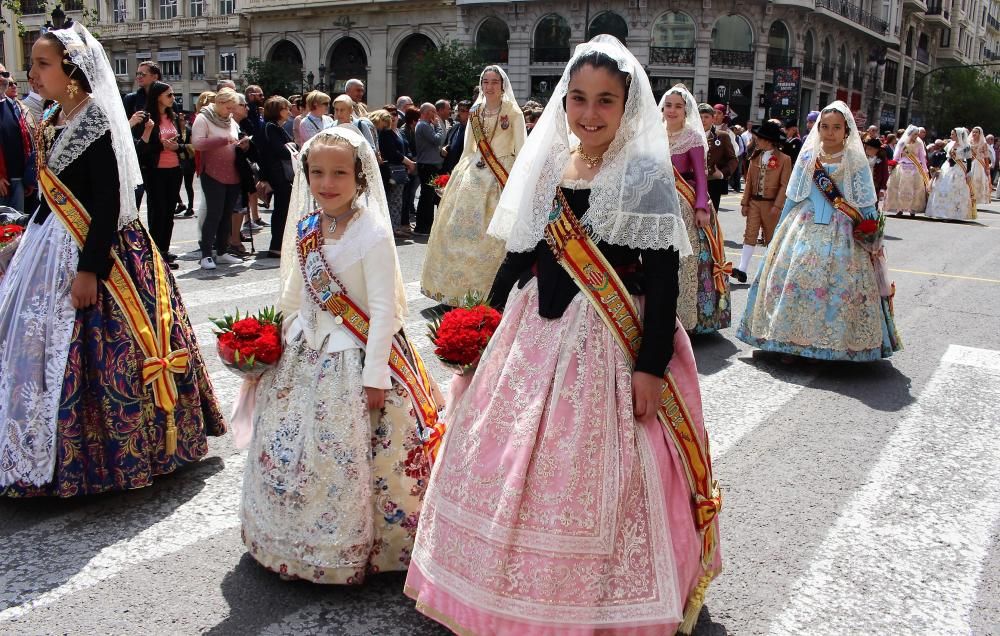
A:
(868, 232)
(250, 345)
(461, 335)
(10, 236)
(439, 182)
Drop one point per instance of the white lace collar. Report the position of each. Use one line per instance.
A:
(684, 140)
(77, 135)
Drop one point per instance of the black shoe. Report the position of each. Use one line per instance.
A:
(172, 265)
(188, 214)
(170, 258)
(740, 275)
(180, 209)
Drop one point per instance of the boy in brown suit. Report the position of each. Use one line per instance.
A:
(764, 194)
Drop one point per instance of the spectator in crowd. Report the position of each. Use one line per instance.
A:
(922, 133)
(872, 132)
(531, 118)
(721, 122)
(276, 166)
(34, 102)
(145, 74)
(215, 135)
(294, 110)
(316, 118)
(736, 181)
(454, 142)
(409, 136)
(185, 153)
(811, 119)
(995, 153)
(396, 168)
(343, 115)
(157, 143)
(225, 83)
(402, 104)
(721, 160)
(16, 149)
(355, 89)
(204, 99)
(443, 107)
(936, 155)
(793, 143)
(11, 92)
(429, 134)
(255, 102)
(246, 163)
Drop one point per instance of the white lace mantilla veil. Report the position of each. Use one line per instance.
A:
(508, 97)
(961, 146)
(372, 226)
(854, 177)
(907, 137)
(694, 131)
(88, 54)
(633, 201)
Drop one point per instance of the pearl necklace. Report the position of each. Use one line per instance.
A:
(831, 156)
(590, 160)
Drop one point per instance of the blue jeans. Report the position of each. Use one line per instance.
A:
(15, 195)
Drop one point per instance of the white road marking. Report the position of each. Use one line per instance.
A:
(232, 293)
(211, 511)
(907, 552)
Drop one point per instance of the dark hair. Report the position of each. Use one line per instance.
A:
(493, 68)
(156, 89)
(412, 115)
(153, 68)
(834, 110)
(465, 103)
(600, 60)
(330, 140)
(71, 70)
(273, 107)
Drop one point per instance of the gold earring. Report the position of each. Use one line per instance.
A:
(72, 88)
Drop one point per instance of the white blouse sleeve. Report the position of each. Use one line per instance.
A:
(380, 283)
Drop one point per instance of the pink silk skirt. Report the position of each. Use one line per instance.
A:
(551, 509)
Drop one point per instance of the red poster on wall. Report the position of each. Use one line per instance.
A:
(855, 101)
(842, 94)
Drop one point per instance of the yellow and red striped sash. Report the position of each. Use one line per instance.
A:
(601, 285)
(405, 363)
(486, 150)
(721, 268)
(160, 362)
(921, 170)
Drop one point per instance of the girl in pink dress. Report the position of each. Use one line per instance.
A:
(558, 504)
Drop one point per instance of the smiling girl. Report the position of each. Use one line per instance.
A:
(558, 505)
(335, 475)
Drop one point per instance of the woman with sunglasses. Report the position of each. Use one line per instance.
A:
(157, 144)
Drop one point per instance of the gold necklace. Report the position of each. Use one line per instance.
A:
(590, 160)
(823, 154)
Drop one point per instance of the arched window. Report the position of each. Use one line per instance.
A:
(809, 56)
(551, 41)
(347, 60)
(842, 66)
(672, 39)
(732, 42)
(827, 61)
(491, 40)
(284, 52)
(609, 23)
(858, 71)
(410, 53)
(777, 45)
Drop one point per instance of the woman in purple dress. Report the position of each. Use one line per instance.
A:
(703, 302)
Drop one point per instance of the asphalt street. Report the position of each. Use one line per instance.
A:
(858, 498)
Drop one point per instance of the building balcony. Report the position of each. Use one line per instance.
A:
(550, 55)
(855, 14)
(175, 26)
(918, 6)
(778, 60)
(936, 14)
(197, 76)
(992, 23)
(494, 54)
(35, 7)
(809, 69)
(732, 59)
(671, 56)
(828, 74)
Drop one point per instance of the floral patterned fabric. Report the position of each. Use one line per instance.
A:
(979, 177)
(331, 491)
(905, 192)
(700, 308)
(816, 294)
(565, 514)
(109, 436)
(951, 196)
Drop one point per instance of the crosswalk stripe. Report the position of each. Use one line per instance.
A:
(907, 551)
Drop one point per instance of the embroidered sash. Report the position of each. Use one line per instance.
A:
(153, 338)
(486, 150)
(599, 282)
(829, 189)
(921, 170)
(721, 268)
(405, 364)
(961, 164)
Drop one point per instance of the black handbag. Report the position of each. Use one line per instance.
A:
(398, 174)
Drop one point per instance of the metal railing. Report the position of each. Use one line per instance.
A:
(494, 53)
(855, 14)
(843, 77)
(671, 56)
(550, 55)
(859, 80)
(934, 8)
(809, 68)
(828, 74)
(732, 59)
(776, 60)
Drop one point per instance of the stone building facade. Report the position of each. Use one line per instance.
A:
(868, 54)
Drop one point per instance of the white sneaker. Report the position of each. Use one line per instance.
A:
(229, 259)
(207, 263)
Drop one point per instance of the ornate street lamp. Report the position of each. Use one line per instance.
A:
(310, 77)
(322, 77)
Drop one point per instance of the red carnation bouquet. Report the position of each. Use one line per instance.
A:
(249, 345)
(10, 236)
(460, 336)
(868, 232)
(439, 182)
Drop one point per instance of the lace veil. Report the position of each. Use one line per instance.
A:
(961, 146)
(508, 90)
(89, 56)
(632, 199)
(694, 131)
(371, 226)
(854, 177)
(908, 135)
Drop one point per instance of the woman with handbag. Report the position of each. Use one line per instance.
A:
(275, 159)
(157, 146)
(396, 170)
